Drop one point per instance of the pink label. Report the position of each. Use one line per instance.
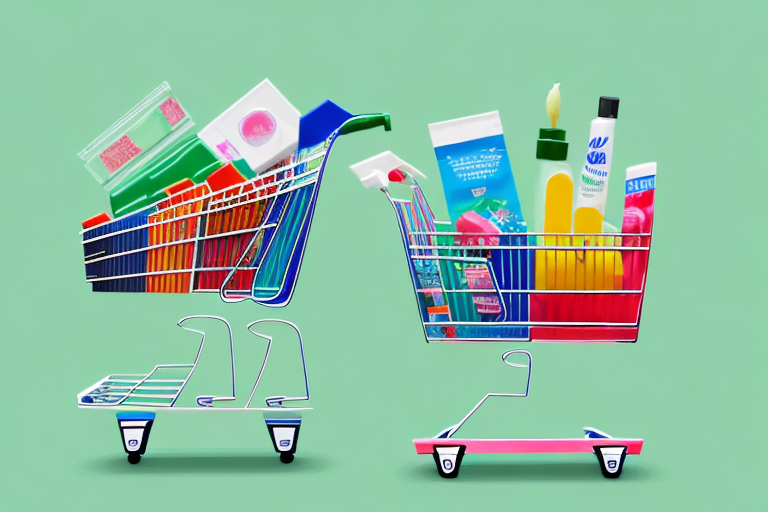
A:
(119, 154)
(258, 127)
(172, 111)
(480, 279)
(228, 151)
(487, 305)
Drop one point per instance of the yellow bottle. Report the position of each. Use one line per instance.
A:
(554, 201)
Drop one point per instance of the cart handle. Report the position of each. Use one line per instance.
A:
(207, 400)
(450, 431)
(277, 401)
(366, 122)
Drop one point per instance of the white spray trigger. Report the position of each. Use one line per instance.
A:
(375, 170)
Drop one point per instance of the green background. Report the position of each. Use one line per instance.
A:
(692, 82)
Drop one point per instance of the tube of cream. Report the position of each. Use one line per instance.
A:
(640, 189)
(593, 191)
(590, 202)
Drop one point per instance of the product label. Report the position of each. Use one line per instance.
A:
(428, 273)
(172, 111)
(228, 151)
(284, 438)
(477, 176)
(258, 127)
(133, 437)
(119, 154)
(640, 184)
(447, 458)
(476, 167)
(595, 172)
(480, 279)
(612, 458)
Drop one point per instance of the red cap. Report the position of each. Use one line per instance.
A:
(396, 176)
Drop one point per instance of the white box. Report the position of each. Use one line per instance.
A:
(262, 128)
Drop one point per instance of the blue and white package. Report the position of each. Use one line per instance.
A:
(475, 170)
(477, 176)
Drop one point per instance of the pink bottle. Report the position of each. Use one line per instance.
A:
(474, 223)
(638, 218)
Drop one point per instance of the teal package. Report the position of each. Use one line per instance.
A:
(477, 175)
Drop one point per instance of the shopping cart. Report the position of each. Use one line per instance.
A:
(138, 397)
(448, 451)
(473, 287)
(243, 239)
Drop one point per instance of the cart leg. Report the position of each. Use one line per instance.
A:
(448, 460)
(134, 430)
(285, 436)
(611, 459)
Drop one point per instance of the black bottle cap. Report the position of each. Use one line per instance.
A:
(609, 107)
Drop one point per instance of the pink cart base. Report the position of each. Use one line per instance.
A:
(578, 445)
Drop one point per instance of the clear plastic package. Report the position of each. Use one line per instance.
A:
(150, 127)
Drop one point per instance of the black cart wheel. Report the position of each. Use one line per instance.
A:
(286, 458)
(134, 457)
(611, 459)
(448, 459)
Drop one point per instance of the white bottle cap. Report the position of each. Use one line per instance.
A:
(641, 170)
(463, 129)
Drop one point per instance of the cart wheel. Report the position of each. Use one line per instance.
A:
(134, 430)
(286, 458)
(611, 459)
(448, 460)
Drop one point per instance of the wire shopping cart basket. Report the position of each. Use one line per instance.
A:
(561, 287)
(244, 239)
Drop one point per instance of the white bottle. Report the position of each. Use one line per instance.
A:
(593, 187)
